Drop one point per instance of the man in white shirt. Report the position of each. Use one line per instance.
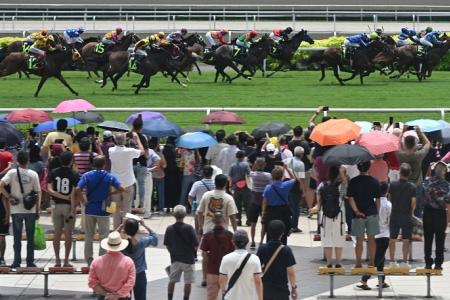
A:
(227, 155)
(213, 151)
(249, 285)
(122, 168)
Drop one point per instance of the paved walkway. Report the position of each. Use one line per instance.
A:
(307, 252)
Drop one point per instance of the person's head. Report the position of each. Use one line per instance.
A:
(66, 158)
(428, 29)
(298, 131)
(61, 125)
(252, 34)
(240, 155)
(138, 123)
(44, 32)
(299, 151)
(107, 136)
(34, 152)
(114, 242)
(99, 162)
(288, 30)
(333, 174)
(131, 227)
(2, 143)
(220, 135)
(224, 31)
(207, 172)
(179, 212)
(231, 140)
(218, 219)
(282, 140)
(220, 181)
(260, 164)
(23, 158)
(240, 239)
(161, 34)
(410, 142)
(251, 141)
(119, 30)
(384, 187)
(120, 138)
(405, 170)
(275, 230)
(90, 131)
(242, 137)
(363, 167)
(277, 173)
(440, 169)
(85, 144)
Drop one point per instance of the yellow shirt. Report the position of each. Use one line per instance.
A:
(57, 135)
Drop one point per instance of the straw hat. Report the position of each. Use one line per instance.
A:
(114, 242)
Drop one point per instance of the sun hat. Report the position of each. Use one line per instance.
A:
(114, 242)
(435, 164)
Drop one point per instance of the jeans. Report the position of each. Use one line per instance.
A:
(140, 172)
(30, 221)
(185, 185)
(140, 286)
(89, 227)
(294, 203)
(420, 194)
(380, 252)
(160, 190)
(434, 225)
(242, 197)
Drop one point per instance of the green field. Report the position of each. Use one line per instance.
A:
(290, 89)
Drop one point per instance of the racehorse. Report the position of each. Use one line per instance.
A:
(191, 49)
(432, 58)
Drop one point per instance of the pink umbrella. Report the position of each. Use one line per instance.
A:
(378, 142)
(28, 116)
(223, 117)
(71, 106)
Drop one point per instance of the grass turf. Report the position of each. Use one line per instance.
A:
(290, 89)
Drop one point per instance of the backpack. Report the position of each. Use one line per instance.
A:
(330, 198)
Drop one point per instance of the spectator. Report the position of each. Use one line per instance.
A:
(212, 155)
(36, 164)
(140, 164)
(227, 156)
(136, 251)
(59, 134)
(187, 166)
(158, 175)
(214, 201)
(437, 200)
(97, 183)
(362, 190)
(403, 198)
(215, 245)
(172, 178)
(278, 265)
(238, 174)
(112, 275)
(84, 159)
(381, 239)
(62, 182)
(379, 169)
(285, 152)
(414, 157)
(152, 161)
(22, 181)
(272, 156)
(259, 180)
(6, 159)
(248, 285)
(93, 137)
(108, 142)
(181, 241)
(330, 197)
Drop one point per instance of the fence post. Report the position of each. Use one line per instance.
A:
(442, 114)
(414, 21)
(126, 21)
(209, 21)
(93, 22)
(54, 22)
(173, 22)
(13, 19)
(334, 24)
(417, 21)
(214, 22)
(293, 19)
(375, 22)
(254, 22)
(133, 19)
(168, 22)
(246, 21)
(84, 20)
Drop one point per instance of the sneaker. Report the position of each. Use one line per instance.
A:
(15, 266)
(252, 246)
(428, 267)
(405, 265)
(147, 215)
(329, 266)
(437, 268)
(203, 283)
(384, 285)
(364, 287)
(338, 266)
(32, 265)
(296, 230)
(393, 265)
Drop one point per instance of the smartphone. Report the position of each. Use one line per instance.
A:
(391, 120)
(378, 124)
(326, 108)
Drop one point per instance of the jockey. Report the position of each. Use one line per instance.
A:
(357, 41)
(430, 39)
(216, 38)
(245, 40)
(404, 35)
(72, 35)
(113, 37)
(41, 46)
(35, 35)
(177, 36)
(158, 39)
(279, 35)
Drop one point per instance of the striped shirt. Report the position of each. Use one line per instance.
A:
(260, 180)
(83, 161)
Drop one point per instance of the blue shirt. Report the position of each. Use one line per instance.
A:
(137, 254)
(360, 39)
(280, 196)
(431, 37)
(97, 183)
(73, 33)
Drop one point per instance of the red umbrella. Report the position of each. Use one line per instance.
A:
(223, 117)
(378, 142)
(28, 116)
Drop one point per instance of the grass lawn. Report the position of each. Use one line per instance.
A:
(290, 89)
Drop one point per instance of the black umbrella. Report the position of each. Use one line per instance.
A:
(11, 135)
(273, 129)
(113, 126)
(88, 117)
(346, 155)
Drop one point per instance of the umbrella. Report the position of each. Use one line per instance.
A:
(70, 106)
(273, 129)
(28, 116)
(223, 117)
(365, 126)
(195, 140)
(160, 128)
(426, 125)
(113, 126)
(445, 131)
(378, 142)
(51, 125)
(335, 132)
(3, 117)
(196, 129)
(89, 117)
(11, 134)
(346, 155)
(146, 116)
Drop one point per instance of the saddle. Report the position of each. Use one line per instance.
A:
(101, 48)
(239, 52)
(34, 63)
(421, 51)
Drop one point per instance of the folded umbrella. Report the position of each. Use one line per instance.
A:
(445, 132)
(378, 142)
(223, 117)
(88, 117)
(70, 106)
(28, 116)
(146, 116)
(273, 129)
(11, 135)
(195, 140)
(346, 155)
(161, 128)
(335, 132)
(51, 125)
(114, 126)
(426, 125)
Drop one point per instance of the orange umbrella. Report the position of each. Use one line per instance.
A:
(335, 132)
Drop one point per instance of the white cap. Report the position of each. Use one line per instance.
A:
(270, 148)
(107, 134)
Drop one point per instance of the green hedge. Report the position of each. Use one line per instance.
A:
(337, 41)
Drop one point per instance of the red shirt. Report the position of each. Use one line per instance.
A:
(5, 158)
(392, 161)
(218, 243)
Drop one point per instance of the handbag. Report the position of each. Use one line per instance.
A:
(30, 199)
(234, 278)
(266, 267)
(39, 237)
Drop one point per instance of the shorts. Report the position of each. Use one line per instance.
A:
(254, 211)
(308, 178)
(403, 224)
(176, 268)
(4, 228)
(369, 225)
(59, 217)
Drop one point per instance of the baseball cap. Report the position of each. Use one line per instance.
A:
(107, 134)
(270, 148)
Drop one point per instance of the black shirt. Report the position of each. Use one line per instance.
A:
(401, 193)
(142, 160)
(276, 276)
(63, 180)
(364, 189)
(272, 161)
(181, 241)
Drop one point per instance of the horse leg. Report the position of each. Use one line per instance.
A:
(351, 77)
(63, 81)
(141, 83)
(217, 76)
(176, 79)
(41, 83)
(361, 78)
(197, 67)
(322, 70)
(20, 74)
(105, 79)
(280, 66)
(336, 74)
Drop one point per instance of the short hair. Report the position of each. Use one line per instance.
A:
(364, 166)
(179, 211)
(85, 144)
(220, 135)
(131, 227)
(220, 181)
(405, 170)
(240, 154)
(299, 151)
(242, 136)
(2, 143)
(298, 131)
(240, 238)
(384, 187)
(275, 229)
(333, 173)
(99, 162)
(138, 123)
(231, 139)
(260, 163)
(61, 125)
(208, 171)
(277, 173)
(218, 218)
(120, 138)
(66, 158)
(23, 158)
(90, 130)
(410, 142)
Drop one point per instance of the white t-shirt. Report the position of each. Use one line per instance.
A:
(383, 217)
(227, 157)
(30, 182)
(244, 287)
(214, 201)
(296, 166)
(122, 164)
(213, 152)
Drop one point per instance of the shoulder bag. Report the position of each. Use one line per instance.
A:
(30, 199)
(266, 266)
(234, 278)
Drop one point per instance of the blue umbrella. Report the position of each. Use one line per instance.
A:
(51, 125)
(161, 128)
(445, 132)
(365, 126)
(426, 125)
(195, 140)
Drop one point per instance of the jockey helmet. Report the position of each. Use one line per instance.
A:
(183, 31)
(252, 34)
(119, 30)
